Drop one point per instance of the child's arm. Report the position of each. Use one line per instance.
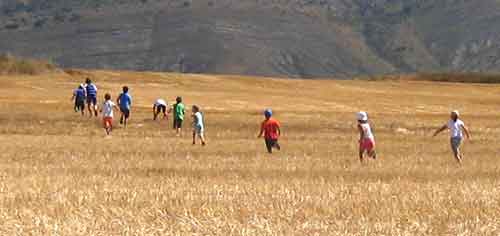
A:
(443, 128)
(467, 132)
(361, 132)
(261, 131)
(73, 97)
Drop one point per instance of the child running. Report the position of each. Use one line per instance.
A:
(107, 113)
(366, 137)
(198, 125)
(124, 101)
(91, 97)
(79, 97)
(456, 127)
(179, 111)
(270, 128)
(160, 106)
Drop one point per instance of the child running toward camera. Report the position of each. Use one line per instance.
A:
(457, 128)
(107, 113)
(79, 97)
(366, 137)
(270, 129)
(198, 125)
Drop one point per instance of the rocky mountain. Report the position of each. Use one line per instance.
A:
(293, 38)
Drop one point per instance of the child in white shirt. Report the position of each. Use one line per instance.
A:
(107, 113)
(366, 137)
(198, 125)
(456, 127)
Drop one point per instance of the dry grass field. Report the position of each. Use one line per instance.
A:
(59, 175)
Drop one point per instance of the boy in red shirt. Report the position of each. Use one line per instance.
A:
(270, 128)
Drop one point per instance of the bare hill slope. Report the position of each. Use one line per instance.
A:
(313, 38)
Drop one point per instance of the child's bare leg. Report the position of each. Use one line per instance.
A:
(89, 108)
(202, 137)
(361, 152)
(458, 156)
(373, 154)
(194, 137)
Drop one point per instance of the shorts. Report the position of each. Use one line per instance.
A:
(107, 122)
(178, 123)
(160, 108)
(270, 143)
(92, 100)
(367, 144)
(199, 130)
(80, 104)
(456, 142)
(125, 112)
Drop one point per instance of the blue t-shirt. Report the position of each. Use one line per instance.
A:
(125, 101)
(80, 94)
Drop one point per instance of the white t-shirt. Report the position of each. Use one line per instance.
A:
(160, 102)
(456, 128)
(199, 120)
(107, 108)
(367, 131)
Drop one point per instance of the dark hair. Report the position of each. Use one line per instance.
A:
(107, 96)
(125, 89)
(88, 81)
(196, 108)
(178, 99)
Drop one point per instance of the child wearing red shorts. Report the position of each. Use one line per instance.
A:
(107, 113)
(366, 137)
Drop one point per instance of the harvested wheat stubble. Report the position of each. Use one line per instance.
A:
(59, 176)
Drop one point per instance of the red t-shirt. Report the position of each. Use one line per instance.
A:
(270, 128)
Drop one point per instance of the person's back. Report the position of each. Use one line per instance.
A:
(367, 131)
(91, 90)
(179, 111)
(455, 127)
(107, 109)
(125, 101)
(271, 128)
(199, 120)
(80, 94)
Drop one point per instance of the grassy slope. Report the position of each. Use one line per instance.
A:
(59, 173)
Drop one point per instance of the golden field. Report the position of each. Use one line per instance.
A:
(60, 175)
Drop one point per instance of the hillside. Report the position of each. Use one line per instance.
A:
(60, 175)
(306, 38)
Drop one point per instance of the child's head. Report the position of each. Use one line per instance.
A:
(268, 113)
(454, 115)
(178, 99)
(88, 81)
(196, 108)
(107, 96)
(125, 89)
(362, 117)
